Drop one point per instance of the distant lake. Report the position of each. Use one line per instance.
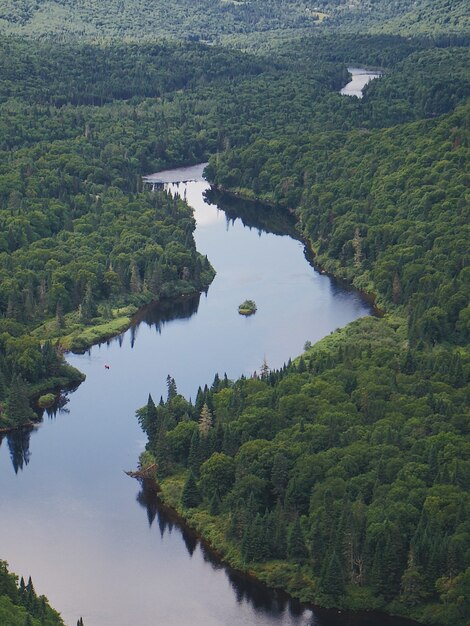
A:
(94, 541)
(359, 79)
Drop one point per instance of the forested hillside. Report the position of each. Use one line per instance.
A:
(408, 17)
(222, 20)
(354, 460)
(79, 126)
(343, 477)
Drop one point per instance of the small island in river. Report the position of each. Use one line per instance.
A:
(248, 307)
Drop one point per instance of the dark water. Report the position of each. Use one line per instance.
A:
(92, 538)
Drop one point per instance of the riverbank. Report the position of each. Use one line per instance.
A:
(288, 577)
(381, 349)
(78, 337)
(322, 263)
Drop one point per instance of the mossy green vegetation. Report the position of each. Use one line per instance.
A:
(247, 307)
(46, 400)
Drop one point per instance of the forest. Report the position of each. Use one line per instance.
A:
(225, 22)
(353, 460)
(20, 605)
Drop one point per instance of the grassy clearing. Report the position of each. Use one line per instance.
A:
(75, 335)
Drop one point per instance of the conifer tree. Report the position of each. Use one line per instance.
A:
(193, 454)
(279, 534)
(171, 388)
(215, 504)
(332, 583)
(205, 421)
(19, 409)
(279, 475)
(191, 497)
(296, 548)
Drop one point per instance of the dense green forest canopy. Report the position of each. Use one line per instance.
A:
(352, 462)
(20, 605)
(226, 20)
(408, 17)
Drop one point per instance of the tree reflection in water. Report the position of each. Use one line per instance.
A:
(18, 444)
(247, 590)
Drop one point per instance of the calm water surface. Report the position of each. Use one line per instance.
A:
(91, 538)
(359, 79)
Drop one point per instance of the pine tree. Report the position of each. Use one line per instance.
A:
(296, 548)
(31, 597)
(19, 409)
(254, 545)
(88, 308)
(195, 458)
(332, 583)
(215, 504)
(216, 384)
(22, 591)
(205, 421)
(264, 371)
(279, 475)
(171, 388)
(279, 533)
(190, 498)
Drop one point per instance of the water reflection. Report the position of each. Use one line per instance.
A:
(148, 499)
(272, 603)
(74, 507)
(157, 314)
(253, 214)
(18, 444)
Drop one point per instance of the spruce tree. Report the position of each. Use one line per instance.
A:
(279, 538)
(205, 421)
(195, 457)
(190, 498)
(171, 388)
(332, 583)
(214, 506)
(19, 409)
(279, 475)
(296, 548)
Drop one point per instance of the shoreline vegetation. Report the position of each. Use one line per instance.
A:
(20, 605)
(72, 336)
(248, 307)
(211, 533)
(342, 477)
(340, 454)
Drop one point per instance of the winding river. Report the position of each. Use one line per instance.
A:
(359, 79)
(91, 539)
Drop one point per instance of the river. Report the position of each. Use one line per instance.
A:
(92, 541)
(359, 79)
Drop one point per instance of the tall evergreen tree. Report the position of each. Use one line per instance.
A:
(332, 582)
(191, 497)
(205, 421)
(296, 548)
(19, 409)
